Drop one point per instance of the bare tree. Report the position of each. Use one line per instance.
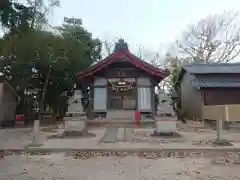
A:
(108, 47)
(155, 58)
(214, 39)
(40, 12)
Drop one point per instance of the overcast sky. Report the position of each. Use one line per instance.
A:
(150, 23)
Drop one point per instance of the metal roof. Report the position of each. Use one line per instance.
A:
(221, 68)
(211, 81)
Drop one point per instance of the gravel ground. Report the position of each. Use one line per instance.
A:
(15, 138)
(62, 167)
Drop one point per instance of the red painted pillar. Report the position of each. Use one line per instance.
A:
(137, 117)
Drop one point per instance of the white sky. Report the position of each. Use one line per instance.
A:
(149, 23)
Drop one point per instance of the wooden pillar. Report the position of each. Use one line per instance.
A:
(153, 100)
(137, 86)
(107, 98)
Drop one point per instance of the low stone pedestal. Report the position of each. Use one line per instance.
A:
(166, 125)
(76, 125)
(166, 121)
(75, 121)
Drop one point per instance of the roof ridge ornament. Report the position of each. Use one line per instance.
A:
(121, 45)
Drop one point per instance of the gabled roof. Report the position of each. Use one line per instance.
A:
(121, 52)
(208, 75)
(220, 68)
(216, 82)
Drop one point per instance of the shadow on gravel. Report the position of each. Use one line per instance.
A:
(166, 135)
(222, 143)
(49, 129)
(72, 134)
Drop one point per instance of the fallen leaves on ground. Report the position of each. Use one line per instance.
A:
(147, 155)
(151, 141)
(202, 142)
(230, 158)
(50, 129)
(183, 173)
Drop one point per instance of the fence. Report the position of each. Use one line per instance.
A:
(224, 112)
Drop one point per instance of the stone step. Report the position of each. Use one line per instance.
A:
(120, 118)
(120, 134)
(128, 134)
(104, 122)
(120, 115)
(110, 135)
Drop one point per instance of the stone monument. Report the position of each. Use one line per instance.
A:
(166, 120)
(76, 119)
(75, 104)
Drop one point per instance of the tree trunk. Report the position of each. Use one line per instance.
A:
(41, 104)
(36, 122)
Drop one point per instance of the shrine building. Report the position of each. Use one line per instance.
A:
(122, 81)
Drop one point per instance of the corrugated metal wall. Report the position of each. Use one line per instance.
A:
(144, 93)
(100, 94)
(100, 99)
(221, 96)
(144, 98)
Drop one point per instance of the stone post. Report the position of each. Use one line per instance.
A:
(36, 134)
(220, 141)
(219, 129)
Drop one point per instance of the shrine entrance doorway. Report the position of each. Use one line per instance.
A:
(122, 93)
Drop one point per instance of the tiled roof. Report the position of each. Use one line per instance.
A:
(228, 68)
(122, 52)
(216, 81)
